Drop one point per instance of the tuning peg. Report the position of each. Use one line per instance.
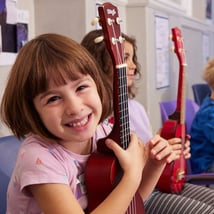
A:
(170, 37)
(121, 39)
(119, 20)
(95, 21)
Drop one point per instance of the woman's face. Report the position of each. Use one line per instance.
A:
(129, 53)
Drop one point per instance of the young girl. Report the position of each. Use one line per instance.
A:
(52, 100)
(193, 199)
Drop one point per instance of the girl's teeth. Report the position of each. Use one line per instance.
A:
(81, 123)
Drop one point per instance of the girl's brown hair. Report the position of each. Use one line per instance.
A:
(101, 54)
(48, 57)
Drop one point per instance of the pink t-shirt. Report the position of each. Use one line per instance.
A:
(42, 162)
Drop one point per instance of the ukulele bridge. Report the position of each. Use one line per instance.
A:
(180, 175)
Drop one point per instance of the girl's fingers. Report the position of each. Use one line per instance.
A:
(117, 149)
(174, 141)
(173, 156)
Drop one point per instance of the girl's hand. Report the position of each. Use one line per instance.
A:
(177, 146)
(160, 151)
(132, 159)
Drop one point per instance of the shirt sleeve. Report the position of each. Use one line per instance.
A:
(37, 164)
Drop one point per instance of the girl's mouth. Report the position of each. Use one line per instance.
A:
(78, 123)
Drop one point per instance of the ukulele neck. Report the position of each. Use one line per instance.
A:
(121, 112)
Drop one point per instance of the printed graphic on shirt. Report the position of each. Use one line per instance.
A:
(80, 187)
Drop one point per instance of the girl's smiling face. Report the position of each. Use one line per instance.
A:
(71, 111)
(129, 53)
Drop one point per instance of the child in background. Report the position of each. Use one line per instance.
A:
(202, 129)
(52, 100)
(193, 199)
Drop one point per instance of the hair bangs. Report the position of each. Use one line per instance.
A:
(54, 70)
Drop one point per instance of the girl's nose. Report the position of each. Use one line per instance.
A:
(72, 106)
(132, 65)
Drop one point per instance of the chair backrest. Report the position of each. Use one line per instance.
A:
(9, 146)
(200, 91)
(168, 107)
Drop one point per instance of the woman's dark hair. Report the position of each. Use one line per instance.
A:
(101, 54)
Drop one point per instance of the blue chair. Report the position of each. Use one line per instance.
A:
(166, 109)
(9, 146)
(200, 91)
(199, 178)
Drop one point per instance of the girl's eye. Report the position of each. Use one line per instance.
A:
(53, 99)
(81, 87)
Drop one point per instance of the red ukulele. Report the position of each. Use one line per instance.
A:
(173, 177)
(103, 171)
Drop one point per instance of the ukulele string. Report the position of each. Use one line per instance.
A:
(124, 108)
(132, 207)
(123, 90)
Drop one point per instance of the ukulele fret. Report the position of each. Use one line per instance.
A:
(123, 108)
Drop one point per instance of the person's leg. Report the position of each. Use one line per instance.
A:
(211, 170)
(199, 193)
(164, 203)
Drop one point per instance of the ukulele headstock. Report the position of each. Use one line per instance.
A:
(178, 45)
(110, 22)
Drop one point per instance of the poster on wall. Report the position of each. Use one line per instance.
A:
(0, 40)
(2, 19)
(22, 28)
(162, 51)
(21, 35)
(9, 28)
(209, 9)
(14, 26)
(13, 30)
(205, 48)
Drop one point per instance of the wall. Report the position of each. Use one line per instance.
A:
(141, 24)
(71, 18)
(67, 18)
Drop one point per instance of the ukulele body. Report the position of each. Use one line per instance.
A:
(104, 175)
(173, 177)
